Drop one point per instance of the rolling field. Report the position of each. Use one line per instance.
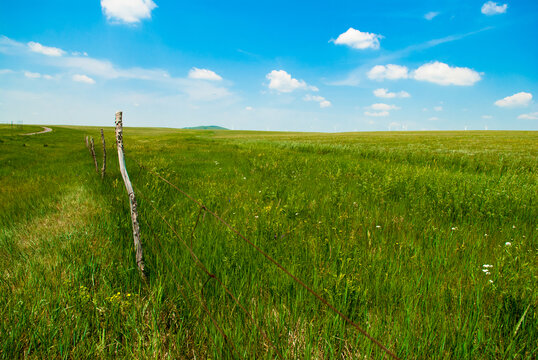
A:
(427, 240)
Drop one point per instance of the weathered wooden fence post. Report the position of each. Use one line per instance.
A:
(103, 169)
(87, 144)
(92, 150)
(130, 191)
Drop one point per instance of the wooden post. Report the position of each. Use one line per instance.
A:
(103, 169)
(130, 191)
(92, 150)
(87, 144)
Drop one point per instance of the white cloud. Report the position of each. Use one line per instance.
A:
(78, 53)
(249, 108)
(47, 77)
(204, 74)
(381, 106)
(438, 108)
(516, 100)
(45, 50)
(5, 71)
(83, 79)
(491, 8)
(127, 11)
(390, 71)
(433, 118)
(32, 75)
(358, 39)
(380, 109)
(323, 103)
(384, 93)
(442, 74)
(487, 117)
(530, 116)
(281, 81)
(377, 113)
(431, 15)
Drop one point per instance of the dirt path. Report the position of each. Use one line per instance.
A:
(45, 130)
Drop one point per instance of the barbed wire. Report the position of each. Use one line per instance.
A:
(227, 340)
(269, 258)
(210, 275)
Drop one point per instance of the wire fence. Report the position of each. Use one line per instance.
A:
(212, 276)
(209, 275)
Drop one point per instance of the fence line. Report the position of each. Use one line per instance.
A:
(208, 273)
(268, 257)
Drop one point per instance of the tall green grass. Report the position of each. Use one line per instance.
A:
(394, 229)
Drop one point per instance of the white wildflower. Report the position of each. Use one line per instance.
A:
(508, 243)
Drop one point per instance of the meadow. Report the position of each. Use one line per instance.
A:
(427, 240)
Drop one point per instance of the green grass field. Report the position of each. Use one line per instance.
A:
(394, 229)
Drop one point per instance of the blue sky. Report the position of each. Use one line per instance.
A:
(271, 65)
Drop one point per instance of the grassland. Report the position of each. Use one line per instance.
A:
(394, 229)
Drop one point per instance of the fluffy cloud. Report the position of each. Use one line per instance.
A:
(491, 8)
(384, 93)
(203, 74)
(433, 118)
(380, 110)
(83, 79)
(127, 11)
(32, 75)
(438, 108)
(281, 81)
(358, 40)
(377, 113)
(431, 15)
(516, 100)
(390, 71)
(442, 74)
(487, 117)
(383, 107)
(530, 116)
(45, 50)
(323, 103)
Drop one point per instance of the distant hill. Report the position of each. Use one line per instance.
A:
(210, 127)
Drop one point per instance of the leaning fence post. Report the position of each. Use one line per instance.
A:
(87, 144)
(103, 169)
(130, 191)
(92, 151)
